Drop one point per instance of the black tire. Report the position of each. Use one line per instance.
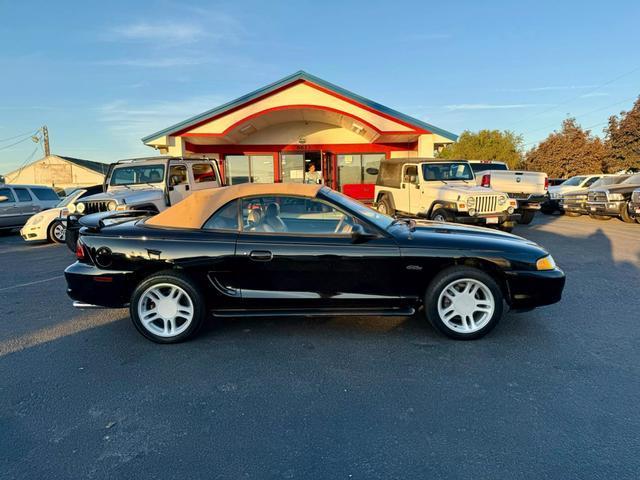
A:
(188, 287)
(441, 215)
(599, 217)
(573, 214)
(442, 281)
(385, 207)
(526, 217)
(53, 232)
(625, 216)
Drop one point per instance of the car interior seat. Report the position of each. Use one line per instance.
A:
(272, 218)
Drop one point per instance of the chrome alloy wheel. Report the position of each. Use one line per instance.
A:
(439, 218)
(165, 310)
(466, 305)
(59, 232)
(382, 208)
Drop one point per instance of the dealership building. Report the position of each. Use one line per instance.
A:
(302, 129)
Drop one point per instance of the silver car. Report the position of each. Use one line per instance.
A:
(19, 202)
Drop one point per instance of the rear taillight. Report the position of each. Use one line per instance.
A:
(80, 253)
(486, 181)
(546, 183)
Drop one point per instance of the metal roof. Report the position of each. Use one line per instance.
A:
(300, 75)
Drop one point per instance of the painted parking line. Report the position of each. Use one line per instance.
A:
(31, 283)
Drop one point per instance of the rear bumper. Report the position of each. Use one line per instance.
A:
(531, 289)
(88, 284)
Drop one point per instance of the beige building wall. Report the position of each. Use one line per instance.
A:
(54, 171)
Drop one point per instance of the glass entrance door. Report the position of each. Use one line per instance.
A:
(292, 167)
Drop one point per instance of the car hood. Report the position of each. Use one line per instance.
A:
(468, 189)
(622, 188)
(126, 196)
(564, 188)
(47, 215)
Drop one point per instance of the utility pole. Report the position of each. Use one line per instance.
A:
(45, 139)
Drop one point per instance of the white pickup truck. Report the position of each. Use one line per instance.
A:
(528, 188)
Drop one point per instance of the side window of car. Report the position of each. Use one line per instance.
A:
(45, 194)
(203, 172)
(22, 194)
(6, 192)
(589, 182)
(178, 175)
(410, 174)
(226, 218)
(299, 215)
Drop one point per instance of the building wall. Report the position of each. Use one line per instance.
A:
(53, 171)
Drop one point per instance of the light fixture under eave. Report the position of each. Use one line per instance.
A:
(357, 128)
(247, 129)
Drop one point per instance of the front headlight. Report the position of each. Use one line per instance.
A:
(616, 196)
(35, 220)
(502, 200)
(111, 206)
(546, 263)
(471, 201)
(81, 207)
(72, 208)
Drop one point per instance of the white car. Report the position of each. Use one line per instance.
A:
(50, 225)
(552, 204)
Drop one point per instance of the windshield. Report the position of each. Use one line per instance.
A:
(633, 179)
(449, 171)
(135, 175)
(573, 181)
(479, 167)
(380, 220)
(71, 197)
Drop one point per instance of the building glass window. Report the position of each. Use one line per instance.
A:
(292, 167)
(352, 169)
(248, 169)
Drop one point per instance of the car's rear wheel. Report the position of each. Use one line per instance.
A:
(167, 308)
(56, 232)
(441, 215)
(599, 217)
(464, 303)
(384, 207)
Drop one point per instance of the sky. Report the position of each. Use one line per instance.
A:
(101, 75)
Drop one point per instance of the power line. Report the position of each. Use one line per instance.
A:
(31, 132)
(16, 143)
(583, 114)
(578, 96)
(26, 162)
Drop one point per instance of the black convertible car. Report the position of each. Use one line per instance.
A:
(292, 249)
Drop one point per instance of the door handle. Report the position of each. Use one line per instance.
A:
(261, 255)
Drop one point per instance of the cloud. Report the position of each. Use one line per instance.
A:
(489, 106)
(548, 88)
(165, 32)
(152, 62)
(131, 121)
(595, 94)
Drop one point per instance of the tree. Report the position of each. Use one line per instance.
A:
(486, 145)
(623, 138)
(571, 151)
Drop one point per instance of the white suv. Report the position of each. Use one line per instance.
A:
(441, 190)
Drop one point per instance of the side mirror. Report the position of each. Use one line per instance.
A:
(360, 235)
(372, 171)
(3, 198)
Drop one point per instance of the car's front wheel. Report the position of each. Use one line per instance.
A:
(442, 215)
(526, 217)
(626, 216)
(464, 303)
(384, 206)
(56, 232)
(167, 308)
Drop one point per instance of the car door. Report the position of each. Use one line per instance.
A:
(296, 252)
(178, 182)
(27, 206)
(407, 183)
(9, 214)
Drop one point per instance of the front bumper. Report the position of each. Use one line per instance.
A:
(574, 207)
(106, 288)
(607, 209)
(530, 289)
(488, 220)
(33, 233)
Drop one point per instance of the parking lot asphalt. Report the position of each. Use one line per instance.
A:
(551, 393)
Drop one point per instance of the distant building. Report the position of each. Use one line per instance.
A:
(59, 172)
(302, 129)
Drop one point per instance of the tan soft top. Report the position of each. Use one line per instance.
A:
(196, 209)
